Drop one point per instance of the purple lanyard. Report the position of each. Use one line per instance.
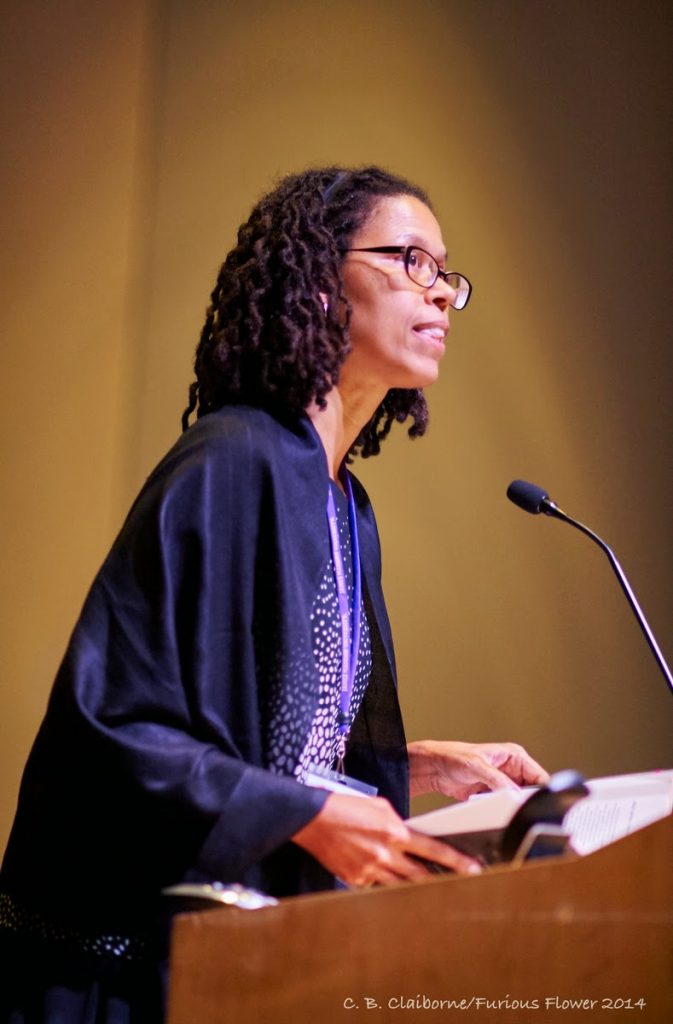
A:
(350, 617)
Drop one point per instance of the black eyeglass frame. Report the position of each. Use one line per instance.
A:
(406, 251)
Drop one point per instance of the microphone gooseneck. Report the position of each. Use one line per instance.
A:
(534, 499)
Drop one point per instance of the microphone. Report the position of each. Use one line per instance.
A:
(534, 499)
(529, 497)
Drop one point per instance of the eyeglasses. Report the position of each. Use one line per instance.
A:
(423, 269)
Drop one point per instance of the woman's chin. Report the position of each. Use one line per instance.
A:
(424, 376)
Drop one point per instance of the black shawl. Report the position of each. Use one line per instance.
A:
(149, 767)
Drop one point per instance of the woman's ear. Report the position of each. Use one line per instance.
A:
(323, 299)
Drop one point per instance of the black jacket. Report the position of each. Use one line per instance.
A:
(149, 767)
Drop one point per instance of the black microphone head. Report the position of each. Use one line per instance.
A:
(527, 496)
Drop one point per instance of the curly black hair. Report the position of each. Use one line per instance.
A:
(268, 340)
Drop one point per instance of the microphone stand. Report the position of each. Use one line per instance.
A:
(550, 508)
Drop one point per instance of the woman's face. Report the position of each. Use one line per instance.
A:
(398, 329)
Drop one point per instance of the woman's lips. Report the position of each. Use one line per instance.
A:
(434, 332)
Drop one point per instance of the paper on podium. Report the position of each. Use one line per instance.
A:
(616, 805)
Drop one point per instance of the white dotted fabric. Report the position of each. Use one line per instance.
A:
(320, 746)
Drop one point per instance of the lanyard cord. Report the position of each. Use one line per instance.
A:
(349, 617)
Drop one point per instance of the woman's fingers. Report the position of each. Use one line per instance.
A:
(407, 858)
(523, 768)
(382, 876)
(460, 769)
(411, 862)
(486, 774)
(446, 856)
(364, 842)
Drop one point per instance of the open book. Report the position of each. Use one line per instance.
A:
(492, 826)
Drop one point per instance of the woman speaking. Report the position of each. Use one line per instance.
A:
(229, 691)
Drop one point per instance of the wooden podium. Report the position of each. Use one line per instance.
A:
(559, 940)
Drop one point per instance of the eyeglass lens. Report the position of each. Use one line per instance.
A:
(423, 269)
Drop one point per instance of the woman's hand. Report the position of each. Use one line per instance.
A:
(461, 769)
(364, 842)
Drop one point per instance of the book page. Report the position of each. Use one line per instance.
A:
(635, 785)
(479, 813)
(617, 806)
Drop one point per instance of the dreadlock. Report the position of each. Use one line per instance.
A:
(268, 339)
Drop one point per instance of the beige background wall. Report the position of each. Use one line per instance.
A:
(136, 136)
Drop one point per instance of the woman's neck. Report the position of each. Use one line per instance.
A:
(347, 410)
